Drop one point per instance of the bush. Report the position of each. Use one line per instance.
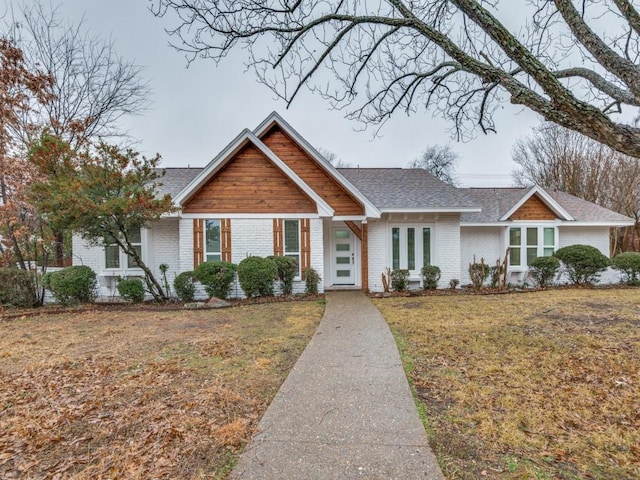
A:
(76, 284)
(478, 272)
(286, 270)
(216, 277)
(16, 288)
(185, 287)
(256, 275)
(495, 274)
(311, 279)
(629, 264)
(543, 270)
(400, 280)
(583, 263)
(430, 276)
(131, 289)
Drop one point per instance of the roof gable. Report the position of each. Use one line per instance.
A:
(228, 154)
(313, 168)
(541, 199)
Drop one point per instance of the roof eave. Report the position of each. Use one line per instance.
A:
(432, 210)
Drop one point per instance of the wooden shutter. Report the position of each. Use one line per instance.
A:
(305, 247)
(278, 240)
(225, 233)
(198, 239)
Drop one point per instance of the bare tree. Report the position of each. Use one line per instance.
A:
(574, 65)
(562, 159)
(439, 161)
(333, 159)
(93, 87)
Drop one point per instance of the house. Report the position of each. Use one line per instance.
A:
(269, 192)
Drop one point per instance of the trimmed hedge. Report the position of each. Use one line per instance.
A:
(430, 276)
(216, 277)
(71, 285)
(16, 288)
(583, 263)
(543, 270)
(311, 279)
(131, 289)
(286, 270)
(256, 275)
(185, 287)
(629, 265)
(400, 280)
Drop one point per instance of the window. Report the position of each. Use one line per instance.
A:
(292, 241)
(410, 247)
(212, 243)
(114, 256)
(528, 243)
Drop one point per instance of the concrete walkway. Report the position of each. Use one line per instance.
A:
(345, 410)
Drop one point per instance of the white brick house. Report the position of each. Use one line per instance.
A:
(271, 193)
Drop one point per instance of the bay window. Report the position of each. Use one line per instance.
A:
(529, 242)
(410, 247)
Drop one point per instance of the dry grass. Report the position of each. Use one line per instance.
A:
(141, 394)
(538, 385)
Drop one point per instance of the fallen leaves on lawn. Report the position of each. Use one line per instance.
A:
(113, 395)
(542, 385)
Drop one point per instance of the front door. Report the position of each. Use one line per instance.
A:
(343, 257)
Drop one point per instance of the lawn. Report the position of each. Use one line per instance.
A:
(133, 393)
(537, 385)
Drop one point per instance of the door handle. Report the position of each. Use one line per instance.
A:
(353, 260)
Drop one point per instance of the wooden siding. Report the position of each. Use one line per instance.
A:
(533, 209)
(250, 183)
(313, 175)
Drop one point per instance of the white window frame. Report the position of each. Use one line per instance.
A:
(418, 246)
(123, 258)
(523, 242)
(292, 253)
(206, 252)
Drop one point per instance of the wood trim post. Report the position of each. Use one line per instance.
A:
(278, 240)
(225, 238)
(364, 251)
(198, 240)
(305, 247)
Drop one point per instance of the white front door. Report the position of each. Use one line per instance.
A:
(343, 257)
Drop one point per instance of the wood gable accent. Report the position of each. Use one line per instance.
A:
(250, 183)
(534, 209)
(311, 173)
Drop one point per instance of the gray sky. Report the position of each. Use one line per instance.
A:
(196, 111)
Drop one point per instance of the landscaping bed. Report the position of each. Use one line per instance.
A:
(123, 391)
(542, 385)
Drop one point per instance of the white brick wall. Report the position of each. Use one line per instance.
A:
(447, 253)
(165, 248)
(185, 238)
(445, 238)
(483, 242)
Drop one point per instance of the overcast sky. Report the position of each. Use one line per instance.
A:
(196, 111)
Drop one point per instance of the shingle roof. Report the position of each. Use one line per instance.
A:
(406, 188)
(175, 179)
(495, 202)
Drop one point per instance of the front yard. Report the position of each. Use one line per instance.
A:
(129, 393)
(538, 385)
